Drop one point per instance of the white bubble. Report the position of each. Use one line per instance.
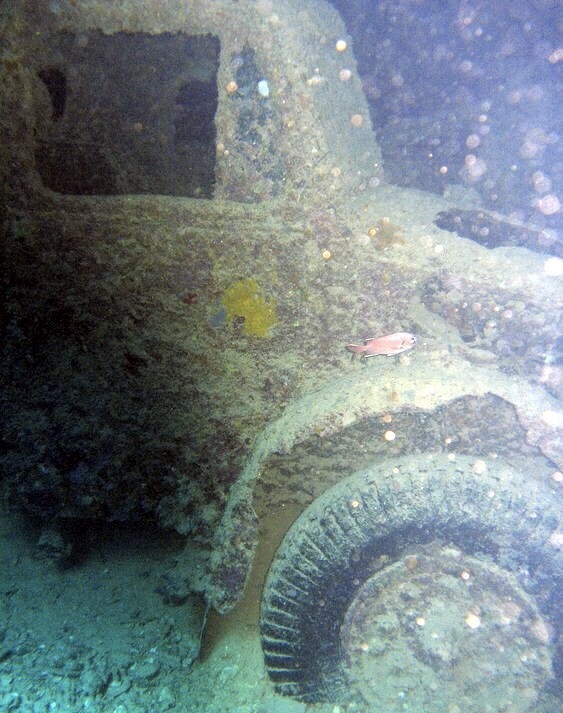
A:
(529, 149)
(535, 142)
(535, 93)
(548, 204)
(514, 97)
(475, 168)
(263, 88)
(397, 80)
(541, 182)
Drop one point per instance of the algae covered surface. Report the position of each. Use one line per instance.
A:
(132, 400)
(112, 366)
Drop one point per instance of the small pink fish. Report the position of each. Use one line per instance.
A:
(388, 345)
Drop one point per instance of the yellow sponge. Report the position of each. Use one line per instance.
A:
(245, 299)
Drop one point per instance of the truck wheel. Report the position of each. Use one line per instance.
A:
(422, 581)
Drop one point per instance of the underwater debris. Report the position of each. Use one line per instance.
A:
(244, 299)
(493, 231)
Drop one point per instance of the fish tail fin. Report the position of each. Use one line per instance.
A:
(358, 348)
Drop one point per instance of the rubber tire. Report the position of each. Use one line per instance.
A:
(329, 552)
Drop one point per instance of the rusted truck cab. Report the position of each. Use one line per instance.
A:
(195, 225)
